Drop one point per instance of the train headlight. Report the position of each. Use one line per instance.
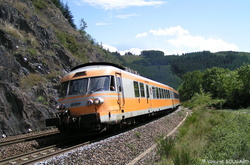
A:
(98, 101)
(89, 102)
(60, 107)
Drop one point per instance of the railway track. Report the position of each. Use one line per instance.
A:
(39, 155)
(27, 138)
(53, 150)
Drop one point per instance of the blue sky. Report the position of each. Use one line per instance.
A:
(172, 26)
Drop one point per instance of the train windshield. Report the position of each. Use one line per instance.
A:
(87, 85)
(99, 84)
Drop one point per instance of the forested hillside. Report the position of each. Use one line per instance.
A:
(203, 60)
(170, 69)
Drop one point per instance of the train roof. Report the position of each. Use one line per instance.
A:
(98, 63)
(117, 66)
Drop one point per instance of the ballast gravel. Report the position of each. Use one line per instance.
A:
(123, 148)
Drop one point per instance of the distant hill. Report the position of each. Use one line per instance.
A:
(203, 60)
(169, 69)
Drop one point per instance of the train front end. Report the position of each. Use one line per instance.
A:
(85, 95)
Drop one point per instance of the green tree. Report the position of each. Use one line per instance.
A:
(83, 26)
(192, 82)
(68, 15)
(65, 11)
(152, 53)
(244, 78)
(222, 84)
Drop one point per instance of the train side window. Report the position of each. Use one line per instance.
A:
(154, 92)
(112, 83)
(142, 90)
(176, 96)
(119, 84)
(168, 94)
(136, 89)
(157, 93)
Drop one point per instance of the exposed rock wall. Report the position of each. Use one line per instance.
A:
(32, 61)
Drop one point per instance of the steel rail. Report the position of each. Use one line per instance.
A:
(28, 138)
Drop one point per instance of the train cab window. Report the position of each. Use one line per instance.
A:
(64, 89)
(136, 89)
(142, 90)
(79, 86)
(99, 84)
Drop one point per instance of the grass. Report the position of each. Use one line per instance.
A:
(31, 80)
(39, 4)
(137, 134)
(11, 30)
(209, 135)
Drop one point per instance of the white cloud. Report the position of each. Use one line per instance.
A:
(177, 30)
(141, 35)
(181, 38)
(135, 51)
(120, 4)
(178, 41)
(110, 48)
(199, 43)
(125, 16)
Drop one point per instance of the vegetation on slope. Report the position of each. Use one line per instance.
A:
(209, 137)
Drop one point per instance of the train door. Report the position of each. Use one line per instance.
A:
(120, 92)
(148, 97)
(172, 98)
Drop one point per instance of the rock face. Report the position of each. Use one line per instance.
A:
(35, 52)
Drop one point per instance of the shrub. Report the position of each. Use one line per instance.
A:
(32, 51)
(165, 146)
(68, 41)
(229, 139)
(39, 4)
(42, 100)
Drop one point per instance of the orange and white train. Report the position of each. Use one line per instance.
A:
(95, 96)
